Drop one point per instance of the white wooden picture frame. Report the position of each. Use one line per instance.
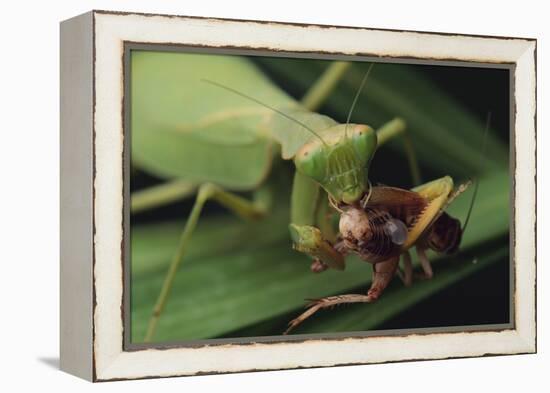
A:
(93, 199)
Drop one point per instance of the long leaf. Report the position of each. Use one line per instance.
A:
(240, 274)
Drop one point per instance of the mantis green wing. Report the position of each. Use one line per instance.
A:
(183, 127)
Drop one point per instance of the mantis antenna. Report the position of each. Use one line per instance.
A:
(265, 105)
(476, 185)
(356, 98)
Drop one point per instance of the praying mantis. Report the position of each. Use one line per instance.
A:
(233, 138)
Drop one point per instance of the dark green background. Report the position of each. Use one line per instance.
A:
(480, 298)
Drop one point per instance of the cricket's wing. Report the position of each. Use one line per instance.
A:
(417, 208)
(436, 193)
(402, 204)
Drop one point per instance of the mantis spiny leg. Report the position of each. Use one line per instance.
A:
(242, 207)
(161, 195)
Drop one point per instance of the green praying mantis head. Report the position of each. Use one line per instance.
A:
(339, 160)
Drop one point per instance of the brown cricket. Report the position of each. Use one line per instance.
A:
(383, 226)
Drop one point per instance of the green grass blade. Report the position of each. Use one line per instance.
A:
(398, 297)
(240, 274)
(445, 135)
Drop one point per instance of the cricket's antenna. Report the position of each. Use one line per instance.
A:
(356, 98)
(265, 105)
(476, 185)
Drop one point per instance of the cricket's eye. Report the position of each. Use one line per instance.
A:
(397, 231)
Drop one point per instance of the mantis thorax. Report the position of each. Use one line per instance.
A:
(340, 161)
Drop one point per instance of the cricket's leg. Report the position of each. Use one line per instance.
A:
(397, 127)
(307, 237)
(383, 273)
(425, 263)
(407, 274)
(331, 301)
(242, 207)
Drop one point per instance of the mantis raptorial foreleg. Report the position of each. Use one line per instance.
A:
(246, 209)
(309, 240)
(306, 224)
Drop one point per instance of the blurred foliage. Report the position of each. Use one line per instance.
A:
(243, 279)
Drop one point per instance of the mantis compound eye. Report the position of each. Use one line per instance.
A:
(396, 230)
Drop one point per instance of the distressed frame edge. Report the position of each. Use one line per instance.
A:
(304, 24)
(76, 207)
(525, 336)
(525, 132)
(130, 46)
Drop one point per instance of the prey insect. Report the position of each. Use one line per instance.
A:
(332, 160)
(382, 227)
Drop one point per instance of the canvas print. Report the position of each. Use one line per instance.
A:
(283, 197)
